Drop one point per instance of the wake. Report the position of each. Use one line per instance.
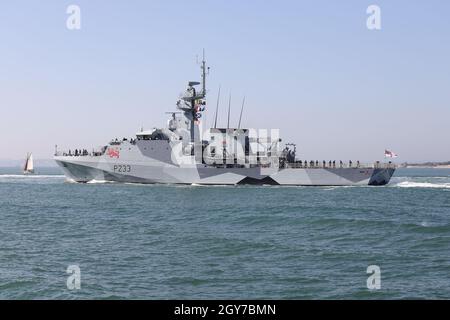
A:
(412, 184)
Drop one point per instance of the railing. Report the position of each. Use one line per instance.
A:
(354, 165)
(94, 153)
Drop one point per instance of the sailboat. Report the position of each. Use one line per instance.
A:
(29, 166)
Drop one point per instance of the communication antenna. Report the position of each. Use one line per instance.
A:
(240, 116)
(217, 109)
(229, 109)
(205, 72)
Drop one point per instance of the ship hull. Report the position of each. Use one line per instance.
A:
(84, 169)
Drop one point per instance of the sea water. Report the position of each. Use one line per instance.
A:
(133, 241)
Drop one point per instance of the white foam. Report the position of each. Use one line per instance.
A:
(99, 181)
(207, 185)
(330, 188)
(411, 184)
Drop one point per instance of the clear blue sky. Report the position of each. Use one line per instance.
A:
(310, 68)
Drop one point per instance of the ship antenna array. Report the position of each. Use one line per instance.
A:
(205, 72)
(217, 109)
(229, 109)
(240, 116)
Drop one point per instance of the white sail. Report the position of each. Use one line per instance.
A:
(30, 165)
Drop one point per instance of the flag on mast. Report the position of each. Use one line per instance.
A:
(390, 154)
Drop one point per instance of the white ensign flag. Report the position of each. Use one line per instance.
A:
(390, 154)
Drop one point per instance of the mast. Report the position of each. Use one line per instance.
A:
(229, 109)
(204, 75)
(240, 116)
(192, 103)
(217, 109)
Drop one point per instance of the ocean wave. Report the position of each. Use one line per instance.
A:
(99, 181)
(412, 184)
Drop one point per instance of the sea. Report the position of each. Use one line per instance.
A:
(63, 240)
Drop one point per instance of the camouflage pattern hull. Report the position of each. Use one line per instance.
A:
(85, 169)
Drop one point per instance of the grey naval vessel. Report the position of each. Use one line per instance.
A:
(182, 153)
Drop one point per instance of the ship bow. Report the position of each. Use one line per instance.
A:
(381, 177)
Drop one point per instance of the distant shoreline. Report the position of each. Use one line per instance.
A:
(437, 165)
(427, 167)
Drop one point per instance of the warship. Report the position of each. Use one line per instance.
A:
(182, 153)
